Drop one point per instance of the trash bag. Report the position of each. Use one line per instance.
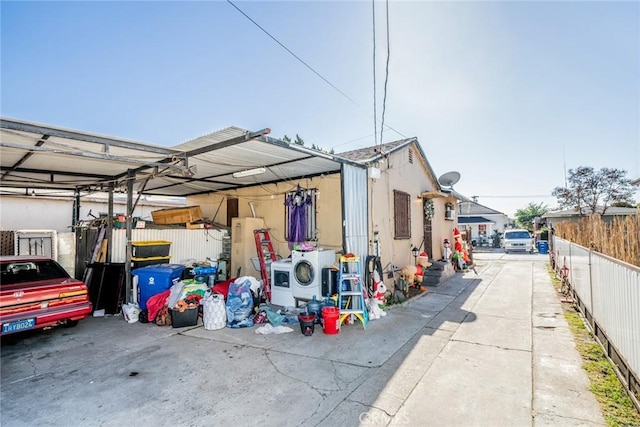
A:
(131, 312)
(239, 305)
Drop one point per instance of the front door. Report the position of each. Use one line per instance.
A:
(232, 210)
(427, 227)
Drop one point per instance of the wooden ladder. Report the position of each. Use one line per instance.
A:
(266, 255)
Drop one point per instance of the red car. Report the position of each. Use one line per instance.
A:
(36, 292)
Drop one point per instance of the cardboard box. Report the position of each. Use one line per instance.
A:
(184, 215)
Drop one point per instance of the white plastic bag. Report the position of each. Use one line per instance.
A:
(131, 312)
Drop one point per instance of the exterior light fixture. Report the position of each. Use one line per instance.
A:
(414, 252)
(249, 172)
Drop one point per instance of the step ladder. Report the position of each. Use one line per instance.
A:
(266, 255)
(350, 290)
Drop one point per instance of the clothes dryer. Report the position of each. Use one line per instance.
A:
(306, 272)
(281, 286)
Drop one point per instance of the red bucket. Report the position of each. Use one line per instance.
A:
(331, 320)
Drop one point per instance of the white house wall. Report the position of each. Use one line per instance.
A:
(52, 213)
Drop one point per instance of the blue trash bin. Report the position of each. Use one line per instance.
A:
(543, 247)
(154, 279)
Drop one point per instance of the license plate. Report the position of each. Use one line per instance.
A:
(18, 325)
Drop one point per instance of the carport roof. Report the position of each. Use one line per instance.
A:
(46, 157)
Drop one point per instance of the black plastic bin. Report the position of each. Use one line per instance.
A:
(189, 317)
(151, 248)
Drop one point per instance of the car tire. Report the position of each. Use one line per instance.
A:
(69, 323)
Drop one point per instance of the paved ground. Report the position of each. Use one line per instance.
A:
(485, 350)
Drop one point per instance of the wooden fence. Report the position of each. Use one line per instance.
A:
(619, 239)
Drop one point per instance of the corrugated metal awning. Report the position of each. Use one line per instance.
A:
(40, 156)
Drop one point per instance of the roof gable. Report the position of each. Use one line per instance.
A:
(469, 207)
(371, 154)
(378, 152)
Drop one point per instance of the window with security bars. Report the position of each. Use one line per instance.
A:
(301, 203)
(402, 215)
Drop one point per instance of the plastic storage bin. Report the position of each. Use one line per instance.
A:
(155, 279)
(143, 262)
(151, 248)
(189, 317)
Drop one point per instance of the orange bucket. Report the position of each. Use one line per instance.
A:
(331, 320)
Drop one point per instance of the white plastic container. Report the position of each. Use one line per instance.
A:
(214, 312)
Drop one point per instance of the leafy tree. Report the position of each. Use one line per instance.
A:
(591, 191)
(298, 141)
(525, 216)
(286, 139)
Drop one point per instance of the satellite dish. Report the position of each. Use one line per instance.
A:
(449, 178)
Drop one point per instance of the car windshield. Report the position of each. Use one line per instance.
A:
(517, 235)
(30, 271)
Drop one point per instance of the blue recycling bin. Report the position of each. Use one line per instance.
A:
(154, 279)
(543, 247)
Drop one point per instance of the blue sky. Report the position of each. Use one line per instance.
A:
(508, 93)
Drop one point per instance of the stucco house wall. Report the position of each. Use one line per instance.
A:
(268, 203)
(406, 172)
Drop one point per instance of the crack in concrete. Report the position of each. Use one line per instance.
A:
(564, 417)
(371, 407)
(490, 345)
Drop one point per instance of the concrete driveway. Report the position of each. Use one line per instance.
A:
(488, 349)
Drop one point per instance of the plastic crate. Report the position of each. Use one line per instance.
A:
(189, 317)
(143, 262)
(148, 249)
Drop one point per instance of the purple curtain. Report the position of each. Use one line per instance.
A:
(297, 203)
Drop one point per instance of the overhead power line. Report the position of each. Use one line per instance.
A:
(375, 111)
(386, 77)
(307, 65)
(293, 54)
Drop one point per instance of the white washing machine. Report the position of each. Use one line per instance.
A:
(281, 286)
(306, 271)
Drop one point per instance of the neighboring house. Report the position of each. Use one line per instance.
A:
(574, 216)
(481, 220)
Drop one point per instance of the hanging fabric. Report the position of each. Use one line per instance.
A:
(297, 203)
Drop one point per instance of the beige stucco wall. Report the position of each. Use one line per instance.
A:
(268, 203)
(414, 178)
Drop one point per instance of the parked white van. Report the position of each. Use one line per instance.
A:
(517, 240)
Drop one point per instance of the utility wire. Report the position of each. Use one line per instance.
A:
(375, 111)
(386, 76)
(306, 65)
(293, 54)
